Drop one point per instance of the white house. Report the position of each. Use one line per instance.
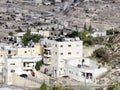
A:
(98, 34)
(83, 69)
(21, 64)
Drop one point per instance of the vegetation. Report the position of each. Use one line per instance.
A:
(114, 87)
(43, 87)
(87, 41)
(99, 53)
(113, 31)
(28, 36)
(73, 34)
(38, 65)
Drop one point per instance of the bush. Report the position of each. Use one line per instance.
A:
(88, 41)
(43, 87)
(99, 53)
(38, 65)
(72, 35)
(110, 32)
(28, 36)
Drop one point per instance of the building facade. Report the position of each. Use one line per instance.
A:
(56, 50)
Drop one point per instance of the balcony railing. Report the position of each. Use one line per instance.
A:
(47, 61)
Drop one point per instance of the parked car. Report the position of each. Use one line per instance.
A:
(23, 75)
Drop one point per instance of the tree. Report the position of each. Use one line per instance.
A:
(90, 29)
(99, 53)
(28, 37)
(88, 41)
(73, 34)
(38, 65)
(85, 27)
(56, 88)
(43, 87)
(82, 35)
(110, 32)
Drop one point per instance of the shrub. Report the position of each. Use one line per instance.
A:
(38, 65)
(43, 87)
(99, 53)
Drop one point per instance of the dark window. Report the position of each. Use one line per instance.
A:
(12, 64)
(55, 52)
(61, 53)
(61, 45)
(69, 45)
(69, 53)
(12, 71)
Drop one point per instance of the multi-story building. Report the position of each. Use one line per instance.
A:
(58, 49)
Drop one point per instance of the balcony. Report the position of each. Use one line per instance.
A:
(27, 68)
(47, 61)
(47, 54)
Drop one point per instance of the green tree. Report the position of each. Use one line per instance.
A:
(110, 32)
(85, 27)
(56, 88)
(99, 53)
(28, 36)
(88, 41)
(73, 34)
(82, 35)
(43, 87)
(38, 65)
(90, 29)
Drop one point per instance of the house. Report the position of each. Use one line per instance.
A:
(97, 34)
(21, 64)
(83, 69)
(24, 61)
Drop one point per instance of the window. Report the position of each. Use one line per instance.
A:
(69, 53)
(61, 53)
(12, 71)
(12, 64)
(69, 45)
(55, 53)
(61, 45)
